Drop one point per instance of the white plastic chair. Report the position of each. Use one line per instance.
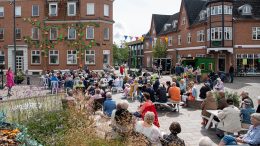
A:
(54, 87)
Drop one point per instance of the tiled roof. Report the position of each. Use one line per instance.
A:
(170, 21)
(159, 21)
(193, 8)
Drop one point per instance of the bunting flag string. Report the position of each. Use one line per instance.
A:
(151, 39)
(126, 37)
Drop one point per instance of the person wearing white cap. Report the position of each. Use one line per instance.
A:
(258, 108)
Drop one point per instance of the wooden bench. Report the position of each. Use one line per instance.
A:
(214, 122)
(172, 105)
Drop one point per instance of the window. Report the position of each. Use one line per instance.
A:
(36, 57)
(246, 10)
(2, 57)
(72, 57)
(183, 21)
(90, 32)
(208, 34)
(2, 11)
(106, 33)
(71, 33)
(202, 14)
(169, 40)
(147, 45)
(35, 10)
(228, 9)
(148, 61)
(200, 36)
(53, 9)
(216, 33)
(179, 39)
(208, 12)
(90, 57)
(71, 8)
(54, 57)
(18, 11)
(106, 10)
(256, 33)
(202, 66)
(2, 33)
(228, 33)
(189, 38)
(213, 12)
(18, 33)
(200, 55)
(90, 9)
(53, 33)
(220, 9)
(35, 33)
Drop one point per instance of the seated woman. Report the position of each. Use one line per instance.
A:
(173, 139)
(126, 90)
(252, 137)
(183, 86)
(246, 112)
(161, 94)
(133, 88)
(210, 103)
(219, 86)
(147, 128)
(147, 106)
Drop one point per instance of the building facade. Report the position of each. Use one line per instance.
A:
(226, 30)
(47, 34)
(136, 54)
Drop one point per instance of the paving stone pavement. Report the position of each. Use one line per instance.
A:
(189, 119)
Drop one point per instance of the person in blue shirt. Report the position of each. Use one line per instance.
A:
(246, 112)
(109, 104)
(252, 137)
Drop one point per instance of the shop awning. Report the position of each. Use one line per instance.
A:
(230, 50)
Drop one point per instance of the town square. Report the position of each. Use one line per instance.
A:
(97, 73)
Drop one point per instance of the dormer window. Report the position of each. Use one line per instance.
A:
(246, 9)
(174, 23)
(53, 9)
(203, 15)
(166, 26)
(183, 21)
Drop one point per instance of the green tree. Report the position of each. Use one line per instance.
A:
(120, 55)
(159, 49)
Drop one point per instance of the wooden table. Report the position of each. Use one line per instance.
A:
(212, 114)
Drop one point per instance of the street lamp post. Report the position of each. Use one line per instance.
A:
(14, 39)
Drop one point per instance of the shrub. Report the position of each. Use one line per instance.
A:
(229, 95)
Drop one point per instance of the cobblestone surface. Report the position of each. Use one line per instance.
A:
(189, 119)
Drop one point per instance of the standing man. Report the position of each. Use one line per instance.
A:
(231, 73)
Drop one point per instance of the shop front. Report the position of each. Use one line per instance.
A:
(248, 64)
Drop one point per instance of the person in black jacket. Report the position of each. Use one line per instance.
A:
(156, 84)
(150, 90)
(161, 94)
(231, 73)
(203, 90)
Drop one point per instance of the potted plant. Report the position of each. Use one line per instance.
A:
(19, 77)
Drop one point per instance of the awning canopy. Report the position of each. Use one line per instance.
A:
(230, 50)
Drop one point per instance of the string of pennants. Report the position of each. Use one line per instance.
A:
(151, 39)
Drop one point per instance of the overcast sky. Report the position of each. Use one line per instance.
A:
(133, 17)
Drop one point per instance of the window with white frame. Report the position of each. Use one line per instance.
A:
(106, 10)
(106, 33)
(90, 8)
(71, 8)
(208, 34)
(147, 45)
(216, 34)
(36, 57)
(71, 57)
(35, 10)
(228, 9)
(18, 11)
(183, 21)
(200, 36)
(200, 55)
(2, 12)
(90, 57)
(148, 61)
(90, 32)
(169, 40)
(256, 33)
(189, 38)
(53, 33)
(202, 15)
(71, 33)
(2, 31)
(179, 39)
(18, 34)
(208, 12)
(2, 57)
(228, 33)
(53, 9)
(53, 57)
(35, 33)
(220, 9)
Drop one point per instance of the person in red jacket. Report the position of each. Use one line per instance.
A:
(121, 69)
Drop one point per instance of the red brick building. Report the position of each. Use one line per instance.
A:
(226, 30)
(61, 14)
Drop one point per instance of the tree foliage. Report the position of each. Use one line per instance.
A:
(120, 55)
(159, 49)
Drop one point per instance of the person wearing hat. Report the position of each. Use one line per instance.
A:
(258, 108)
(246, 112)
(252, 137)
(219, 85)
(203, 90)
